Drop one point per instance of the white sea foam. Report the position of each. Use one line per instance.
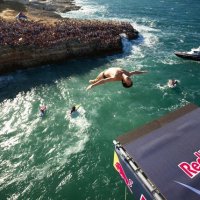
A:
(170, 60)
(78, 126)
(148, 37)
(57, 148)
(135, 49)
(88, 10)
(15, 114)
(78, 119)
(127, 45)
(64, 181)
(162, 87)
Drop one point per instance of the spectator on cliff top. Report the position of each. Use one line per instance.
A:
(21, 16)
(41, 35)
(114, 74)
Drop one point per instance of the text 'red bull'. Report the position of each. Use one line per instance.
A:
(193, 168)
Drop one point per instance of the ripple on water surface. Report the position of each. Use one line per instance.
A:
(32, 147)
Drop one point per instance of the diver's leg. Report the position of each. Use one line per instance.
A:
(99, 77)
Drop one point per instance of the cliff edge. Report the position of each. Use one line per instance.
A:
(31, 43)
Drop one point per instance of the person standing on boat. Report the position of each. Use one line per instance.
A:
(114, 74)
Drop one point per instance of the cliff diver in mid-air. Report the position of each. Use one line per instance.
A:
(114, 74)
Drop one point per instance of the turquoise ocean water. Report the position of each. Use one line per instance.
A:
(62, 158)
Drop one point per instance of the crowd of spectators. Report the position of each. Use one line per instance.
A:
(34, 34)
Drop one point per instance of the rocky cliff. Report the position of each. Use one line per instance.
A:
(21, 57)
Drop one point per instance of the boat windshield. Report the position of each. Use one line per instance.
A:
(195, 51)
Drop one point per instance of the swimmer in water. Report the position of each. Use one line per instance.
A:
(73, 109)
(172, 83)
(43, 109)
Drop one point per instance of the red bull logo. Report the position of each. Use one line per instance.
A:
(191, 169)
(120, 169)
(142, 197)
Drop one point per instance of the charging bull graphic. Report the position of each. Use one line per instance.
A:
(120, 169)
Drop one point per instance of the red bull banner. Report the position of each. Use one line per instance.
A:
(191, 169)
(122, 173)
(131, 180)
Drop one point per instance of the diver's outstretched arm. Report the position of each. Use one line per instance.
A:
(136, 72)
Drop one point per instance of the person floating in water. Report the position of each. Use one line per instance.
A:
(172, 83)
(74, 109)
(43, 109)
(114, 74)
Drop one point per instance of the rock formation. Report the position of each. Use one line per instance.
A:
(19, 57)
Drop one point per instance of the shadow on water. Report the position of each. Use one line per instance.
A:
(23, 80)
(139, 40)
